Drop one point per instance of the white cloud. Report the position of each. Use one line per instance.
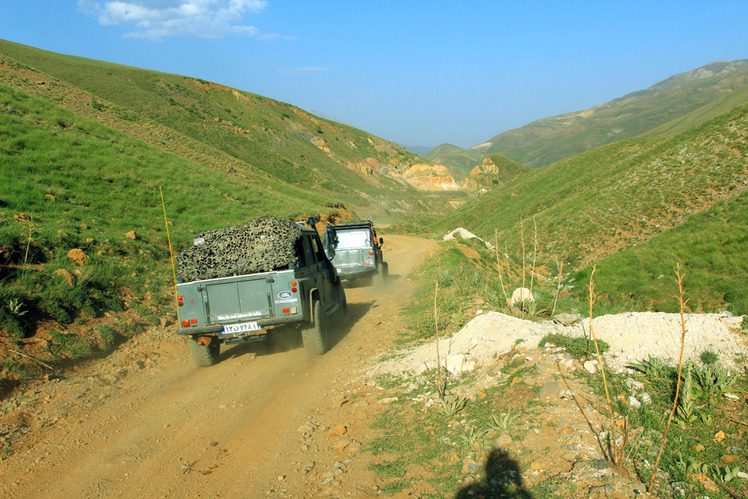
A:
(157, 19)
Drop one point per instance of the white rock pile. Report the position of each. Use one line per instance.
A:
(632, 336)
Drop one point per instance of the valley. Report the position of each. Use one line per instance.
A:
(109, 171)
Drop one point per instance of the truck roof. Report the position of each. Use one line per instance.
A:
(360, 224)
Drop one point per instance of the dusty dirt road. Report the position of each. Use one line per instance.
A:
(267, 420)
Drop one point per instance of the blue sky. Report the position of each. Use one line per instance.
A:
(413, 72)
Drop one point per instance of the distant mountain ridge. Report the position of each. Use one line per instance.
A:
(550, 139)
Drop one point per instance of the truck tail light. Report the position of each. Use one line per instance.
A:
(185, 323)
(371, 252)
(286, 310)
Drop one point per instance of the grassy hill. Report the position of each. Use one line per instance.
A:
(718, 86)
(614, 199)
(459, 161)
(232, 130)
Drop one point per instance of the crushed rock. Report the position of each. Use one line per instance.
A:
(632, 336)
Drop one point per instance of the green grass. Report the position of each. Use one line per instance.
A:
(711, 248)
(579, 348)
(693, 444)
(680, 196)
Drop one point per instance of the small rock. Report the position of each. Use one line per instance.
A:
(66, 276)
(567, 319)
(634, 384)
(590, 366)
(550, 389)
(470, 466)
(340, 445)
(338, 431)
(78, 256)
(353, 449)
(521, 296)
(335, 469)
(567, 364)
(704, 480)
(503, 440)
(634, 402)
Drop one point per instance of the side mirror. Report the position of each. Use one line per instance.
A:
(381, 241)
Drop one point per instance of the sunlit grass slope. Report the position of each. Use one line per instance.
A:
(231, 129)
(589, 207)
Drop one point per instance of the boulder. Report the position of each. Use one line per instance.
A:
(521, 296)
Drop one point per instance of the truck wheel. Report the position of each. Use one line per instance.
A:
(315, 337)
(204, 355)
(383, 270)
(343, 310)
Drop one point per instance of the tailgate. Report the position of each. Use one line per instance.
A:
(245, 298)
(352, 257)
(253, 301)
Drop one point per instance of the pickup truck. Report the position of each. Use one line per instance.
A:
(355, 250)
(305, 293)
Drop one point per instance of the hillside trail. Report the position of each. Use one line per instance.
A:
(266, 420)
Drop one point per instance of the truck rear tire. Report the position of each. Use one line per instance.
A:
(204, 355)
(342, 302)
(315, 337)
(383, 271)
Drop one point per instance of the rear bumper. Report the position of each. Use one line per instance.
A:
(218, 329)
(355, 272)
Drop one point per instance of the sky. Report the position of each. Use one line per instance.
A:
(418, 73)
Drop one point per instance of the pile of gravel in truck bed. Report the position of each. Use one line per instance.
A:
(264, 244)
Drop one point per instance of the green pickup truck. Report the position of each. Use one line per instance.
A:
(355, 250)
(302, 290)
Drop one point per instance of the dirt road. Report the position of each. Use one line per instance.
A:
(267, 420)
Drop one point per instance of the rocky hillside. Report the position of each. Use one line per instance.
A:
(459, 161)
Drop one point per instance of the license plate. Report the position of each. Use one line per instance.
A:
(241, 328)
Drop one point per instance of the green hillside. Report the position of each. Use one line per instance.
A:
(711, 248)
(613, 198)
(459, 161)
(551, 139)
(232, 130)
(508, 169)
